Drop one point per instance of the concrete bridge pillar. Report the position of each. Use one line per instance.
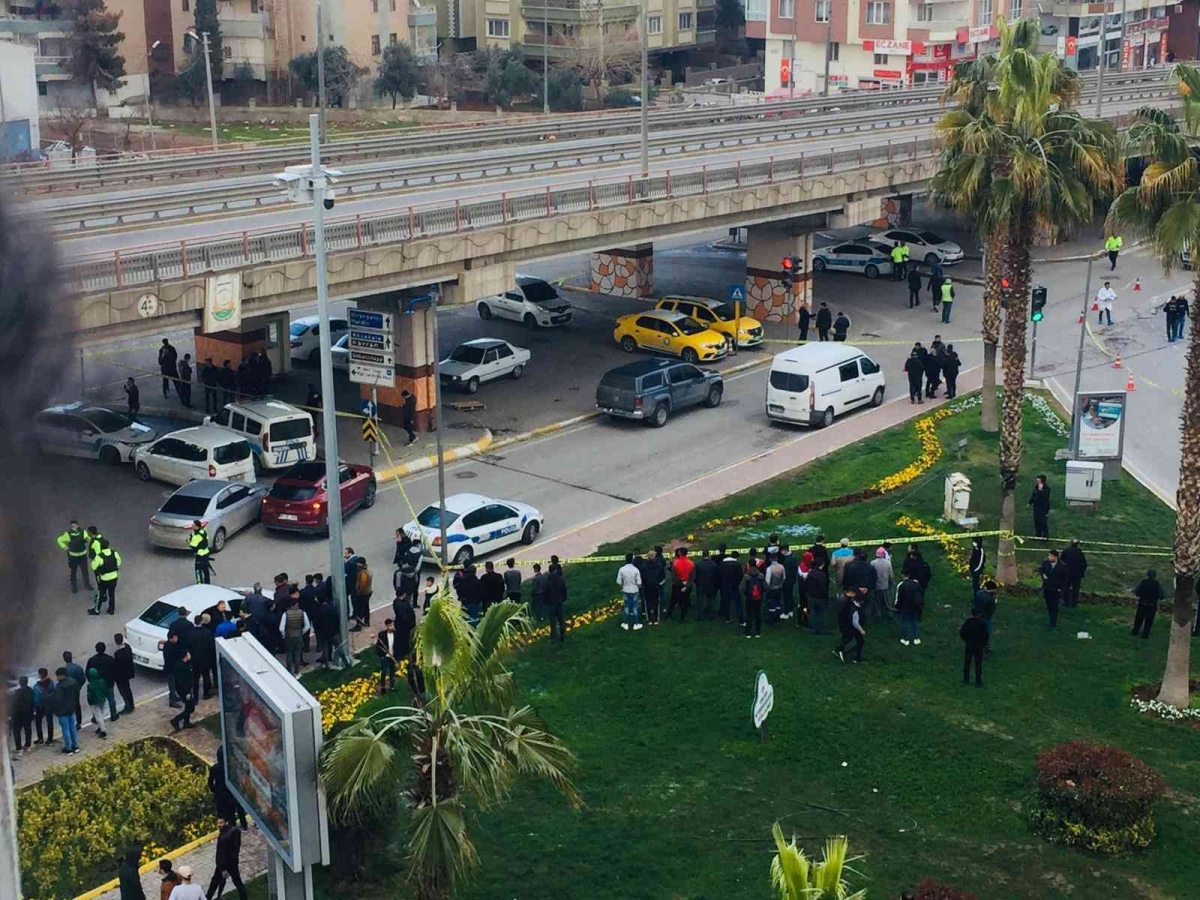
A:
(412, 341)
(624, 271)
(766, 246)
(268, 333)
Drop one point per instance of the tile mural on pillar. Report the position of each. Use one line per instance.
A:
(620, 274)
(767, 301)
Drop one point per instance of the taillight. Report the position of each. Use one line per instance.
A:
(266, 443)
(812, 396)
(637, 403)
(212, 471)
(437, 540)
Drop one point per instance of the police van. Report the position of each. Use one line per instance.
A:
(280, 434)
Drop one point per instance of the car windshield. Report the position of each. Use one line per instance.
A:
(467, 353)
(106, 420)
(231, 453)
(290, 429)
(725, 311)
(183, 505)
(690, 326)
(160, 614)
(931, 237)
(429, 517)
(619, 382)
(539, 292)
(883, 248)
(297, 329)
(292, 492)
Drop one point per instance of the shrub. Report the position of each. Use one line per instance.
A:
(935, 890)
(72, 825)
(1095, 797)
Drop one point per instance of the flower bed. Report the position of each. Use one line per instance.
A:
(74, 824)
(1143, 700)
(1095, 797)
(954, 550)
(935, 890)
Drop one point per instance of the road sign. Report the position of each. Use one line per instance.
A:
(366, 373)
(369, 318)
(370, 430)
(373, 358)
(368, 339)
(737, 293)
(368, 409)
(764, 700)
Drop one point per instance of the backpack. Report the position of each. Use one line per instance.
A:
(756, 590)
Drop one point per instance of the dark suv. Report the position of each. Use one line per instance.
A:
(652, 389)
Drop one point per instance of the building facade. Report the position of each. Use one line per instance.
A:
(20, 131)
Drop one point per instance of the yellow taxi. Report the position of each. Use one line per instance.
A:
(674, 333)
(717, 315)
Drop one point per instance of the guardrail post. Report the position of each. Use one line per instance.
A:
(770, 169)
(591, 194)
(549, 203)
(304, 240)
(412, 223)
(914, 146)
(831, 161)
(504, 208)
(246, 243)
(183, 256)
(889, 150)
(862, 155)
(457, 215)
(629, 188)
(358, 229)
(704, 179)
(117, 264)
(800, 166)
(737, 173)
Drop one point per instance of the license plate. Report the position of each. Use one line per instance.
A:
(287, 518)
(142, 658)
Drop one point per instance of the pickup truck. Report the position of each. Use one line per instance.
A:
(653, 389)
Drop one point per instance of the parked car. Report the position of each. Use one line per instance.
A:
(305, 336)
(224, 506)
(924, 246)
(279, 434)
(340, 353)
(206, 451)
(92, 432)
(864, 257)
(813, 383)
(717, 315)
(532, 301)
(475, 525)
(653, 389)
(672, 333)
(480, 360)
(298, 500)
(148, 632)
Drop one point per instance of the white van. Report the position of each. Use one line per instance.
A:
(813, 383)
(280, 434)
(206, 451)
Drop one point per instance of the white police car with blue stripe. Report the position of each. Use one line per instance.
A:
(475, 525)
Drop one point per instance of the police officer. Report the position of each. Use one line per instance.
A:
(74, 541)
(947, 297)
(198, 543)
(107, 566)
(1112, 245)
(93, 538)
(898, 267)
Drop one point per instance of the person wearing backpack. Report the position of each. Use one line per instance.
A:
(774, 579)
(909, 601)
(754, 589)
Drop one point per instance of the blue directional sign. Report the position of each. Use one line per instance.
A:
(737, 293)
(369, 318)
(368, 409)
(370, 340)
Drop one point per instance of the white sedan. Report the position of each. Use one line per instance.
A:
(475, 525)
(92, 432)
(533, 301)
(480, 360)
(340, 353)
(148, 632)
(305, 335)
(923, 246)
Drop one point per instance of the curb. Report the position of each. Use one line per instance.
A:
(428, 462)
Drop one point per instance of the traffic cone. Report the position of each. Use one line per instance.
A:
(1080, 322)
(1137, 285)
(1117, 364)
(1129, 385)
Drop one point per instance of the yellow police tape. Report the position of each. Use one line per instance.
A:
(1103, 349)
(872, 342)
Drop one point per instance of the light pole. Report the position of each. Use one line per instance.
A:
(320, 72)
(792, 60)
(828, 45)
(443, 549)
(212, 109)
(645, 91)
(545, 69)
(150, 98)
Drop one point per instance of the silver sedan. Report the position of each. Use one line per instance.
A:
(226, 507)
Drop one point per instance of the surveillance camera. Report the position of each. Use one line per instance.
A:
(329, 198)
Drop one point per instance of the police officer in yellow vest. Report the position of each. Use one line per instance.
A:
(899, 254)
(107, 566)
(1112, 244)
(200, 552)
(947, 292)
(74, 541)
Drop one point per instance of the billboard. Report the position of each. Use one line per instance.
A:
(271, 732)
(1100, 418)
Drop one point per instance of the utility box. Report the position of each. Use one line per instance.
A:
(957, 499)
(1084, 479)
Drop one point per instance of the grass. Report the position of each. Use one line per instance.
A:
(236, 132)
(927, 778)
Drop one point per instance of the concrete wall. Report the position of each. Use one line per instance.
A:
(20, 110)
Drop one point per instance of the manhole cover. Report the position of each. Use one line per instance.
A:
(465, 474)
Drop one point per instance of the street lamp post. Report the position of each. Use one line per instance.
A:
(212, 108)
(828, 45)
(150, 98)
(545, 66)
(792, 60)
(320, 72)
(645, 142)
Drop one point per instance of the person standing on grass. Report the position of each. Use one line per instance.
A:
(629, 580)
(731, 580)
(65, 705)
(537, 592)
(884, 579)
(681, 589)
(975, 635)
(512, 581)
(654, 576)
(976, 564)
(915, 371)
(850, 624)
(293, 625)
(791, 572)
(839, 560)
(228, 861)
(816, 588)
(1076, 562)
(128, 880)
(1039, 502)
(708, 584)
(491, 586)
(1149, 594)
(984, 603)
(754, 589)
(97, 699)
(385, 646)
(363, 589)
(1054, 583)
(914, 288)
(824, 321)
(909, 600)
(555, 598)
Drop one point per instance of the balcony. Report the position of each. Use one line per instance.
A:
(577, 11)
(47, 27)
(243, 27)
(230, 69)
(422, 17)
(51, 68)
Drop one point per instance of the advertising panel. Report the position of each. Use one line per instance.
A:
(222, 302)
(1101, 423)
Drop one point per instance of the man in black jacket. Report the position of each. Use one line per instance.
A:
(804, 318)
(554, 598)
(172, 652)
(227, 379)
(183, 678)
(168, 359)
(859, 574)
(228, 861)
(950, 366)
(210, 378)
(708, 583)
(654, 576)
(203, 649)
(123, 671)
(820, 554)
(791, 568)
(1039, 502)
(1076, 563)
(824, 321)
(408, 415)
(974, 633)
(1149, 594)
(1055, 580)
(104, 664)
(816, 586)
(841, 326)
(127, 873)
(931, 362)
(491, 586)
(731, 582)
(914, 287)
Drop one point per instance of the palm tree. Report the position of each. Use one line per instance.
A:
(467, 741)
(796, 877)
(1024, 158)
(1165, 208)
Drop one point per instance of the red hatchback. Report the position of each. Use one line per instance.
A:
(298, 501)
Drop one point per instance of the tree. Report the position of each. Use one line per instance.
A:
(603, 57)
(731, 24)
(1165, 209)
(341, 73)
(1021, 159)
(94, 42)
(399, 74)
(70, 123)
(208, 23)
(796, 877)
(566, 90)
(468, 742)
(506, 76)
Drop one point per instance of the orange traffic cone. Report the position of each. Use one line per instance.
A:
(1137, 285)
(1129, 385)
(1080, 322)
(1117, 364)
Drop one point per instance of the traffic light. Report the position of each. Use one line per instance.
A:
(786, 277)
(1037, 303)
(1005, 284)
(798, 265)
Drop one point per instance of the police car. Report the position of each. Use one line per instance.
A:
(475, 525)
(92, 432)
(864, 257)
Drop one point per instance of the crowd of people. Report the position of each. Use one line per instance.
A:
(927, 368)
(222, 384)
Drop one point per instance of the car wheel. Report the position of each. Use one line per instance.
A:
(369, 496)
(660, 416)
(530, 320)
(818, 265)
(473, 386)
(517, 372)
(143, 471)
(314, 358)
(218, 541)
(871, 271)
(529, 535)
(713, 400)
(690, 356)
(877, 397)
(464, 556)
(628, 344)
(110, 456)
(485, 311)
(932, 259)
(258, 465)
(827, 418)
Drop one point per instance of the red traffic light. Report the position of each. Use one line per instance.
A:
(786, 263)
(1005, 283)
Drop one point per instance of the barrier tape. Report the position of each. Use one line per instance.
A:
(871, 342)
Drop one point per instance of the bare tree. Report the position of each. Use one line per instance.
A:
(70, 123)
(612, 57)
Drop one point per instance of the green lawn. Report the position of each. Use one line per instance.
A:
(928, 778)
(255, 132)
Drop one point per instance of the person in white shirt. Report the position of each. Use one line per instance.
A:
(629, 579)
(1104, 301)
(185, 890)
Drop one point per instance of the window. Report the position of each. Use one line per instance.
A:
(253, 426)
(497, 28)
(43, 90)
(822, 10)
(646, 322)
(652, 381)
(187, 5)
(226, 52)
(374, 6)
(230, 453)
(833, 51)
(925, 12)
(1014, 10)
(490, 356)
(879, 13)
(237, 422)
(881, 59)
(345, 474)
(985, 12)
(756, 10)
(869, 366)
(288, 429)
(787, 9)
(374, 45)
(685, 21)
(654, 25)
(504, 351)
(794, 382)
(392, 39)
(848, 371)
(392, 5)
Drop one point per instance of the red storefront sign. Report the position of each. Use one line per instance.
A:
(1126, 53)
(785, 72)
(890, 47)
(1162, 47)
(1072, 45)
(889, 74)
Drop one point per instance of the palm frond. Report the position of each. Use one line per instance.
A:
(439, 849)
(352, 766)
(789, 868)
